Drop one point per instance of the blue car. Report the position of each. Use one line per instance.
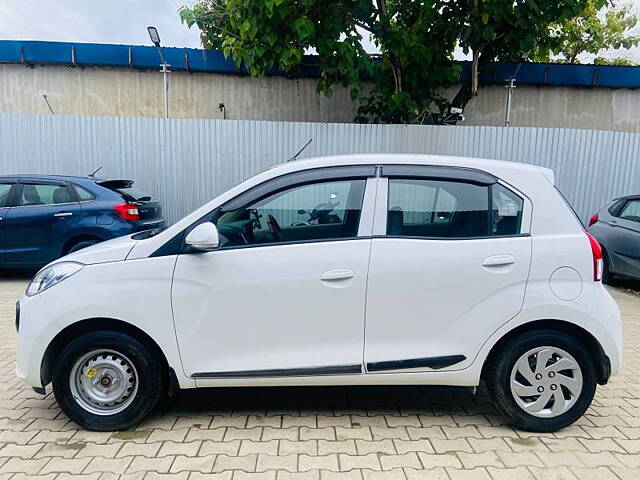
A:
(43, 217)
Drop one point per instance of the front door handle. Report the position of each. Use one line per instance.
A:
(498, 261)
(63, 214)
(337, 274)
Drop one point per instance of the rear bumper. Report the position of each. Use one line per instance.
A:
(607, 314)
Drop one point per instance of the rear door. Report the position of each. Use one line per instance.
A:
(449, 263)
(43, 218)
(5, 199)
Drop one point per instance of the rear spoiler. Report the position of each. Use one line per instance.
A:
(114, 184)
(547, 172)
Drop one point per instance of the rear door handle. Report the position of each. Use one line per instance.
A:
(63, 214)
(498, 260)
(337, 274)
(613, 223)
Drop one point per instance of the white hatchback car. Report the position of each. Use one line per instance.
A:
(350, 270)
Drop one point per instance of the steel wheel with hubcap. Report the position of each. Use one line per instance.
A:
(105, 380)
(543, 380)
(546, 382)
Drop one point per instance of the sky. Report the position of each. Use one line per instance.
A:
(120, 22)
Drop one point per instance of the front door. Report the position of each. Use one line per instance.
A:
(42, 219)
(284, 294)
(449, 264)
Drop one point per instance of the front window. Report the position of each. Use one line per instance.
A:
(310, 212)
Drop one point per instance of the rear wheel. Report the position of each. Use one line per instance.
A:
(542, 380)
(108, 380)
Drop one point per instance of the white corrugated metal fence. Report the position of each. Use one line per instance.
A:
(185, 163)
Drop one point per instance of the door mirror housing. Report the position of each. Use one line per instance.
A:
(204, 237)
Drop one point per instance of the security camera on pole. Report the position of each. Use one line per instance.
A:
(164, 67)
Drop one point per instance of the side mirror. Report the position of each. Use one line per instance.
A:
(204, 237)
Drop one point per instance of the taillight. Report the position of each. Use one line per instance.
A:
(127, 211)
(593, 219)
(596, 251)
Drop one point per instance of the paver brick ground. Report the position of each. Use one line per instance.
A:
(363, 433)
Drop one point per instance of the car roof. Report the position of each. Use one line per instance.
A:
(626, 197)
(492, 166)
(43, 176)
(83, 180)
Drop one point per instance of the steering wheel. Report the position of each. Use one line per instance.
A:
(274, 228)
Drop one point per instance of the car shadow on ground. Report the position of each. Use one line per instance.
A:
(631, 286)
(332, 401)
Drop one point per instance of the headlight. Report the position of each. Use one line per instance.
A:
(52, 275)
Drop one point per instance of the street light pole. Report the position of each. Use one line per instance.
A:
(510, 86)
(507, 116)
(164, 68)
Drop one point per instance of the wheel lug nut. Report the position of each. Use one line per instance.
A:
(552, 374)
(540, 389)
(553, 386)
(538, 376)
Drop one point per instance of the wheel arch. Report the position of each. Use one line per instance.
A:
(596, 352)
(77, 239)
(92, 324)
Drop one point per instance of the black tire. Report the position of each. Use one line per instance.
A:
(80, 245)
(499, 373)
(151, 379)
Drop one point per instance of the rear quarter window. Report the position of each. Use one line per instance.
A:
(84, 195)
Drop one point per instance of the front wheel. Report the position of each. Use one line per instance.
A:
(108, 381)
(543, 380)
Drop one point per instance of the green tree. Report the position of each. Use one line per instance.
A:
(404, 83)
(598, 27)
(510, 31)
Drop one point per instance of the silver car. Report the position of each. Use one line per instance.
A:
(617, 228)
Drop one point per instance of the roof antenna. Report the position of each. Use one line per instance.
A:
(295, 157)
(92, 175)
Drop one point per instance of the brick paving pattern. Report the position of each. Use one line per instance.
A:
(371, 433)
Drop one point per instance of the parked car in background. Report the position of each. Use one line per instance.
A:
(351, 270)
(44, 217)
(617, 228)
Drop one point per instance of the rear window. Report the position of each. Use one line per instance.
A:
(127, 190)
(133, 193)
